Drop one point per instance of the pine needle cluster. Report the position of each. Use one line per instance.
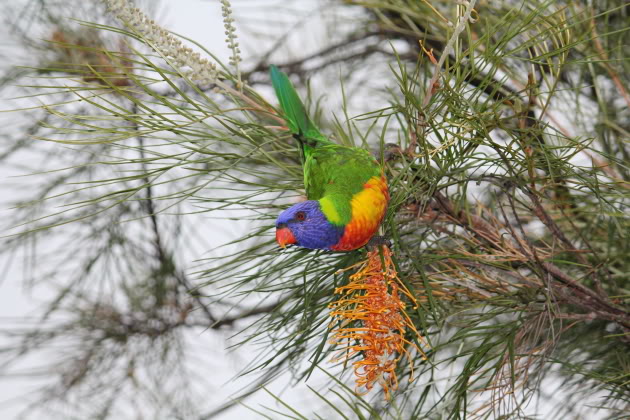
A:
(502, 127)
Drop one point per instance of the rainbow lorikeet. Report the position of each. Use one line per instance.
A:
(345, 186)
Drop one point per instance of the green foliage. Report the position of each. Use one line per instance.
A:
(506, 152)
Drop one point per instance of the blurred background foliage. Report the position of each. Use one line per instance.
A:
(150, 213)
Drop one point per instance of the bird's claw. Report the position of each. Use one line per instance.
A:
(378, 241)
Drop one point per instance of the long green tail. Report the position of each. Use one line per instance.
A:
(294, 112)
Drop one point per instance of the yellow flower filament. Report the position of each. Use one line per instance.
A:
(372, 298)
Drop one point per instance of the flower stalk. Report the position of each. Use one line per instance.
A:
(231, 39)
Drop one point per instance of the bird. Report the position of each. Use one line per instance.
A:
(346, 188)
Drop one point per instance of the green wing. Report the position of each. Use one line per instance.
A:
(339, 170)
(337, 173)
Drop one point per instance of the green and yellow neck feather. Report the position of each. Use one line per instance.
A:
(336, 208)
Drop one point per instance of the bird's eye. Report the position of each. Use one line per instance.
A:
(300, 215)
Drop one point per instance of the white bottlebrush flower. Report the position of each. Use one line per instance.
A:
(200, 70)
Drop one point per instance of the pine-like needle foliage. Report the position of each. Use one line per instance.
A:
(503, 128)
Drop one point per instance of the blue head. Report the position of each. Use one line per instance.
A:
(305, 225)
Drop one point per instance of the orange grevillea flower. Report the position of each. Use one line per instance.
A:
(369, 320)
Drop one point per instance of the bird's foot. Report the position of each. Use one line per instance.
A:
(378, 241)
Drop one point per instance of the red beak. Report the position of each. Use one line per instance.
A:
(285, 237)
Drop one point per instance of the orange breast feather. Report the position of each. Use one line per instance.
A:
(368, 210)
